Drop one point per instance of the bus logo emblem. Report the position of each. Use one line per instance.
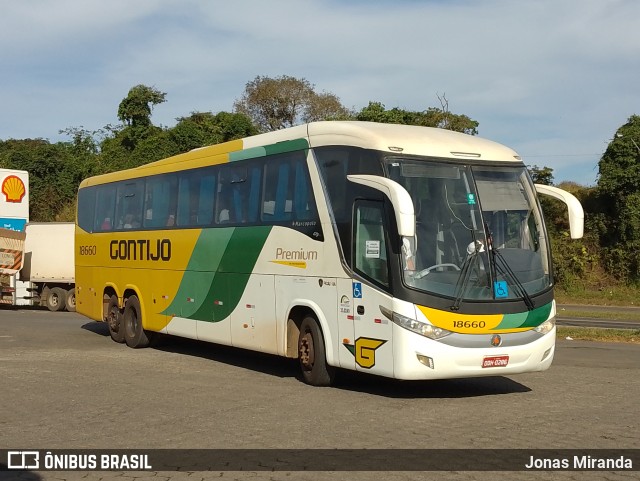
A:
(364, 350)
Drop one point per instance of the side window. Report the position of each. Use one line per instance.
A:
(370, 247)
(86, 208)
(238, 194)
(287, 193)
(105, 219)
(160, 201)
(129, 204)
(196, 195)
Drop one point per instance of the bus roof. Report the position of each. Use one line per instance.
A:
(395, 138)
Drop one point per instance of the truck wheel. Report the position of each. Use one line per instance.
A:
(44, 296)
(70, 300)
(134, 335)
(56, 299)
(311, 354)
(114, 320)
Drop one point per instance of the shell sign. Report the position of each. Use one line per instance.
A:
(13, 188)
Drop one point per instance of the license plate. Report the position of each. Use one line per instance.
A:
(495, 361)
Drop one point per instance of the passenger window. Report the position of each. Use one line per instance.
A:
(160, 203)
(196, 195)
(238, 194)
(105, 208)
(370, 249)
(129, 204)
(287, 190)
(86, 208)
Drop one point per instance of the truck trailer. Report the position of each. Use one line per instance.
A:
(49, 265)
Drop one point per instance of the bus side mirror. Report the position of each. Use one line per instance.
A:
(399, 197)
(576, 213)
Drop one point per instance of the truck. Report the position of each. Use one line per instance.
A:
(48, 264)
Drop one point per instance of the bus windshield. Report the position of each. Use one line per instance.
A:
(479, 231)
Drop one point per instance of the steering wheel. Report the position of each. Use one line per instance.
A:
(424, 272)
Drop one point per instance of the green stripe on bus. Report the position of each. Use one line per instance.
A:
(526, 319)
(279, 148)
(220, 267)
(245, 154)
(288, 146)
(198, 276)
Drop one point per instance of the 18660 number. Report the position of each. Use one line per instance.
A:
(87, 250)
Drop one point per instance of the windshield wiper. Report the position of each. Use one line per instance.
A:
(462, 283)
(503, 267)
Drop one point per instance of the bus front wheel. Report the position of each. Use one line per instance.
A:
(134, 334)
(312, 354)
(114, 320)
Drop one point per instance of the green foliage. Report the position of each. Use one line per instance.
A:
(432, 117)
(281, 102)
(54, 173)
(135, 109)
(541, 175)
(619, 167)
(619, 207)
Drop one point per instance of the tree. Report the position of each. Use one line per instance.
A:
(541, 175)
(54, 173)
(135, 109)
(619, 189)
(205, 128)
(432, 117)
(281, 102)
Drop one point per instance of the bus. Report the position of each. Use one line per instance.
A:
(408, 252)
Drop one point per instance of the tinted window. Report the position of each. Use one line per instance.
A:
(196, 196)
(160, 201)
(129, 204)
(86, 208)
(105, 208)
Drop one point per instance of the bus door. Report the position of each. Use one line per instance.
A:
(372, 347)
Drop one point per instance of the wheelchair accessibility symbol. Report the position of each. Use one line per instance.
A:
(357, 290)
(500, 289)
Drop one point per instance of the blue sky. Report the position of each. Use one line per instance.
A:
(552, 79)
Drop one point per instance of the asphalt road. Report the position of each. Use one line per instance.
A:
(613, 311)
(66, 385)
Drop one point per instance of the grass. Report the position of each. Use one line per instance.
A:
(611, 315)
(595, 334)
(613, 295)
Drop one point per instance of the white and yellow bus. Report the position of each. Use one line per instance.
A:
(406, 252)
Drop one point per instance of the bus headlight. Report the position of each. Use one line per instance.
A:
(546, 326)
(422, 328)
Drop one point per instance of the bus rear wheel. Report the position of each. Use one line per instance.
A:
(312, 354)
(70, 300)
(114, 320)
(134, 335)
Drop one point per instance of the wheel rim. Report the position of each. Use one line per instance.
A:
(54, 300)
(306, 351)
(114, 325)
(133, 322)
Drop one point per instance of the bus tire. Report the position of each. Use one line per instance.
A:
(56, 299)
(70, 300)
(134, 334)
(114, 320)
(312, 354)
